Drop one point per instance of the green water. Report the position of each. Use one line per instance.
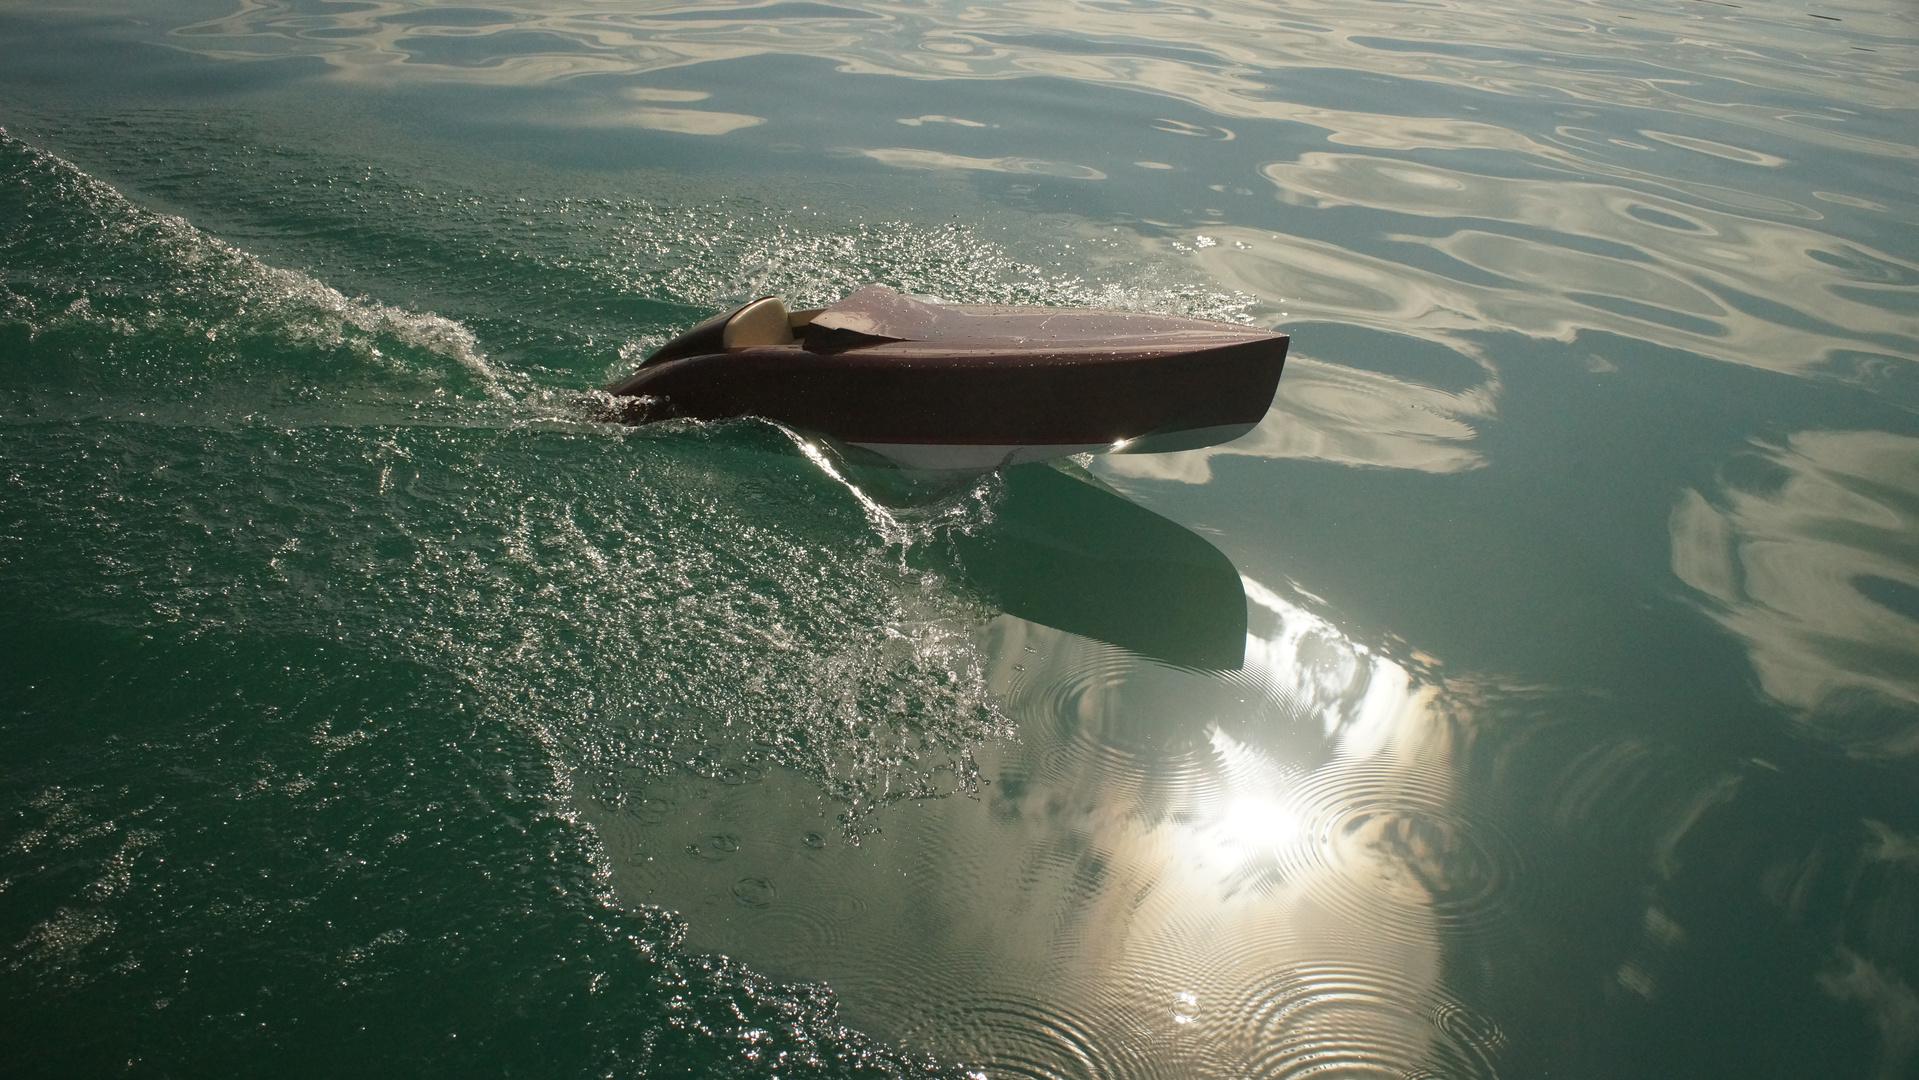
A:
(1534, 694)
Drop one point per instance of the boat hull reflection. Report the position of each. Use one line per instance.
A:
(1068, 553)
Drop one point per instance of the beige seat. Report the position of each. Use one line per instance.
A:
(759, 324)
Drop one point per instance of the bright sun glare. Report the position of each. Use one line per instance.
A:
(1257, 823)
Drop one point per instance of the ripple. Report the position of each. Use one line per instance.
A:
(1321, 1020)
(1021, 1037)
(756, 892)
(1401, 858)
(1076, 683)
(1127, 717)
(1469, 1031)
(652, 810)
(714, 847)
(735, 775)
(804, 926)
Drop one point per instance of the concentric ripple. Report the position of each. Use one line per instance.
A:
(1323, 1020)
(1386, 843)
(1022, 1037)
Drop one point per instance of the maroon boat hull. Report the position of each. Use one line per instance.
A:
(982, 387)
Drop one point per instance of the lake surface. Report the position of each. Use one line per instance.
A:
(1534, 693)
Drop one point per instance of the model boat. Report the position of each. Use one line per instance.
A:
(963, 386)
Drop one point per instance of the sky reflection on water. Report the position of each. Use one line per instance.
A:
(1530, 191)
(1816, 569)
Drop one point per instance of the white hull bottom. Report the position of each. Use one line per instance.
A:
(985, 457)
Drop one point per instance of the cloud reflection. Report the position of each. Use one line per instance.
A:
(1559, 147)
(1553, 259)
(906, 158)
(1347, 415)
(1817, 572)
(1226, 60)
(689, 121)
(1495, 47)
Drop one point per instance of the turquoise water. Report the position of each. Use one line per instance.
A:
(1535, 693)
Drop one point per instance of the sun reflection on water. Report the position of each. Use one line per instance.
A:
(1256, 825)
(1168, 873)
